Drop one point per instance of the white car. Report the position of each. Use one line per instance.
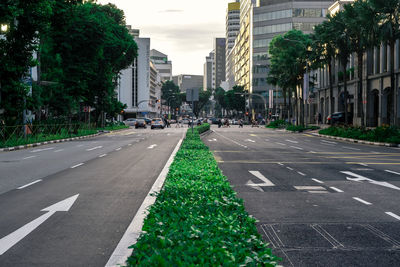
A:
(130, 122)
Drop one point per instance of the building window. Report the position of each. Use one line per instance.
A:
(273, 28)
(261, 43)
(309, 12)
(273, 15)
(304, 26)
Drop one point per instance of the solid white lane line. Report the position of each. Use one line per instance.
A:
(336, 189)
(42, 149)
(328, 142)
(77, 165)
(281, 144)
(362, 201)
(29, 157)
(302, 174)
(118, 149)
(289, 168)
(393, 215)
(318, 192)
(318, 181)
(352, 148)
(233, 141)
(295, 147)
(392, 172)
(34, 182)
(102, 155)
(59, 150)
(291, 141)
(259, 175)
(309, 187)
(94, 148)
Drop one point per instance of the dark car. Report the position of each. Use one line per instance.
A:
(157, 123)
(140, 123)
(339, 118)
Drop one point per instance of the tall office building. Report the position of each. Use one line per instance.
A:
(163, 65)
(187, 81)
(209, 72)
(232, 30)
(219, 60)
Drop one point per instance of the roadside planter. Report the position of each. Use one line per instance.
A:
(197, 218)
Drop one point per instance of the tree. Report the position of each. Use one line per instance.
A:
(204, 98)
(388, 13)
(172, 95)
(219, 96)
(235, 98)
(24, 20)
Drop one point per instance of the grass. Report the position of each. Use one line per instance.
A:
(379, 134)
(197, 218)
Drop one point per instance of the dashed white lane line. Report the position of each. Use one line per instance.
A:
(289, 168)
(77, 165)
(118, 149)
(281, 164)
(302, 174)
(295, 147)
(233, 141)
(313, 152)
(42, 149)
(336, 189)
(94, 148)
(389, 171)
(281, 144)
(329, 142)
(362, 201)
(152, 146)
(129, 144)
(363, 164)
(25, 186)
(29, 157)
(393, 215)
(291, 141)
(58, 150)
(101, 156)
(318, 181)
(267, 140)
(352, 148)
(249, 140)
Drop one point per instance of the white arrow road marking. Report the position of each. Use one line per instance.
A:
(254, 186)
(152, 146)
(34, 182)
(389, 171)
(362, 201)
(262, 178)
(42, 149)
(93, 148)
(337, 189)
(359, 178)
(249, 140)
(10, 240)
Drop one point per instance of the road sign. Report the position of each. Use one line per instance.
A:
(192, 95)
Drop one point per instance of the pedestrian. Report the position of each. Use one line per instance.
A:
(219, 123)
(319, 118)
(240, 123)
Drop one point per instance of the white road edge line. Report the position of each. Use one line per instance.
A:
(122, 251)
(336, 189)
(93, 148)
(318, 181)
(118, 149)
(362, 201)
(352, 148)
(295, 147)
(25, 186)
(392, 172)
(393, 215)
(59, 150)
(77, 165)
(29, 157)
(329, 142)
(102, 155)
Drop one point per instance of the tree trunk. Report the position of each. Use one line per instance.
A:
(331, 100)
(284, 101)
(392, 83)
(296, 109)
(360, 86)
(344, 63)
(290, 107)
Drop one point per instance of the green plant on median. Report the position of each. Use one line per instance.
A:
(278, 124)
(299, 128)
(197, 218)
(379, 134)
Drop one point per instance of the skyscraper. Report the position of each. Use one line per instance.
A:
(232, 30)
(219, 60)
(163, 65)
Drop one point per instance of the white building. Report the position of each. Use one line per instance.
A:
(209, 72)
(163, 65)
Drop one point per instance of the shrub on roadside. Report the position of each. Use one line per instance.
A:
(197, 218)
(278, 124)
(379, 134)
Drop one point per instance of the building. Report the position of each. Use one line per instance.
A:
(232, 31)
(163, 65)
(219, 61)
(134, 86)
(209, 72)
(187, 81)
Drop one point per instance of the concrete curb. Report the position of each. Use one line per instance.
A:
(357, 140)
(6, 149)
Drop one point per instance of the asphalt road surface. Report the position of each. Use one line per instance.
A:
(319, 202)
(97, 184)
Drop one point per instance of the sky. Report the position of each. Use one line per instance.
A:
(182, 29)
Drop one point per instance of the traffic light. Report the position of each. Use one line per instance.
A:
(247, 114)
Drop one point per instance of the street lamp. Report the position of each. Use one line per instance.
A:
(4, 28)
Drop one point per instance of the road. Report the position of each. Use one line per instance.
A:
(318, 202)
(103, 181)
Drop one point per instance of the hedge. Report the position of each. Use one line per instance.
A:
(197, 218)
(379, 134)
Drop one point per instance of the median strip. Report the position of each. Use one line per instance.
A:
(197, 218)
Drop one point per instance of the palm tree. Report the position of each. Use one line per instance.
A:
(361, 24)
(388, 12)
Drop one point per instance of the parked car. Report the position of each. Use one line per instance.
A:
(339, 118)
(157, 123)
(130, 122)
(140, 123)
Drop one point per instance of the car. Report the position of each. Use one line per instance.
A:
(140, 123)
(130, 122)
(157, 123)
(339, 118)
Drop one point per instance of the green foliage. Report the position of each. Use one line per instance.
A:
(379, 134)
(234, 100)
(197, 218)
(278, 124)
(171, 95)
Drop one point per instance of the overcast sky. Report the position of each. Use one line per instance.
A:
(182, 29)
